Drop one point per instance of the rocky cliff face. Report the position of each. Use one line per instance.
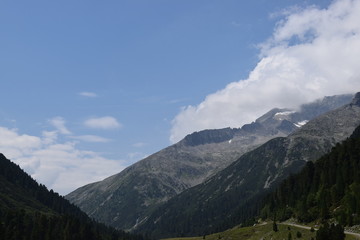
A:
(126, 199)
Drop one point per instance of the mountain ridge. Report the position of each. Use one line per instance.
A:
(229, 192)
(125, 199)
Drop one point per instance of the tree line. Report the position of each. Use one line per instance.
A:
(328, 188)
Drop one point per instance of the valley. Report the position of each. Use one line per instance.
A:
(180, 120)
(282, 170)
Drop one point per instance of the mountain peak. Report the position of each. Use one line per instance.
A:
(356, 99)
(210, 136)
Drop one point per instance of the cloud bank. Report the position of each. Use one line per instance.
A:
(91, 138)
(60, 165)
(311, 53)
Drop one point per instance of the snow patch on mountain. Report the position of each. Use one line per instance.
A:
(302, 123)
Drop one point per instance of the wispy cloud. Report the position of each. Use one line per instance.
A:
(103, 123)
(139, 144)
(59, 124)
(49, 137)
(91, 138)
(311, 53)
(59, 165)
(88, 94)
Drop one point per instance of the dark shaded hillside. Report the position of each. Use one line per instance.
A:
(328, 188)
(29, 211)
(19, 190)
(231, 196)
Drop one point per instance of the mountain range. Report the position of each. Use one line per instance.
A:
(143, 196)
(231, 196)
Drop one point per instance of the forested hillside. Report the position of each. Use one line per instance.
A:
(328, 188)
(29, 211)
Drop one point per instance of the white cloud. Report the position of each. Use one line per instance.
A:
(59, 124)
(103, 123)
(91, 138)
(312, 53)
(59, 165)
(17, 145)
(88, 94)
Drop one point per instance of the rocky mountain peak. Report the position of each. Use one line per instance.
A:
(356, 99)
(209, 136)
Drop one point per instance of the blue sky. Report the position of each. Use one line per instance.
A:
(90, 87)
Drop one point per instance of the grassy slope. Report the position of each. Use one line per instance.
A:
(260, 232)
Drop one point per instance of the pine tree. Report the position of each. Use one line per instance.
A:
(275, 227)
(333, 232)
